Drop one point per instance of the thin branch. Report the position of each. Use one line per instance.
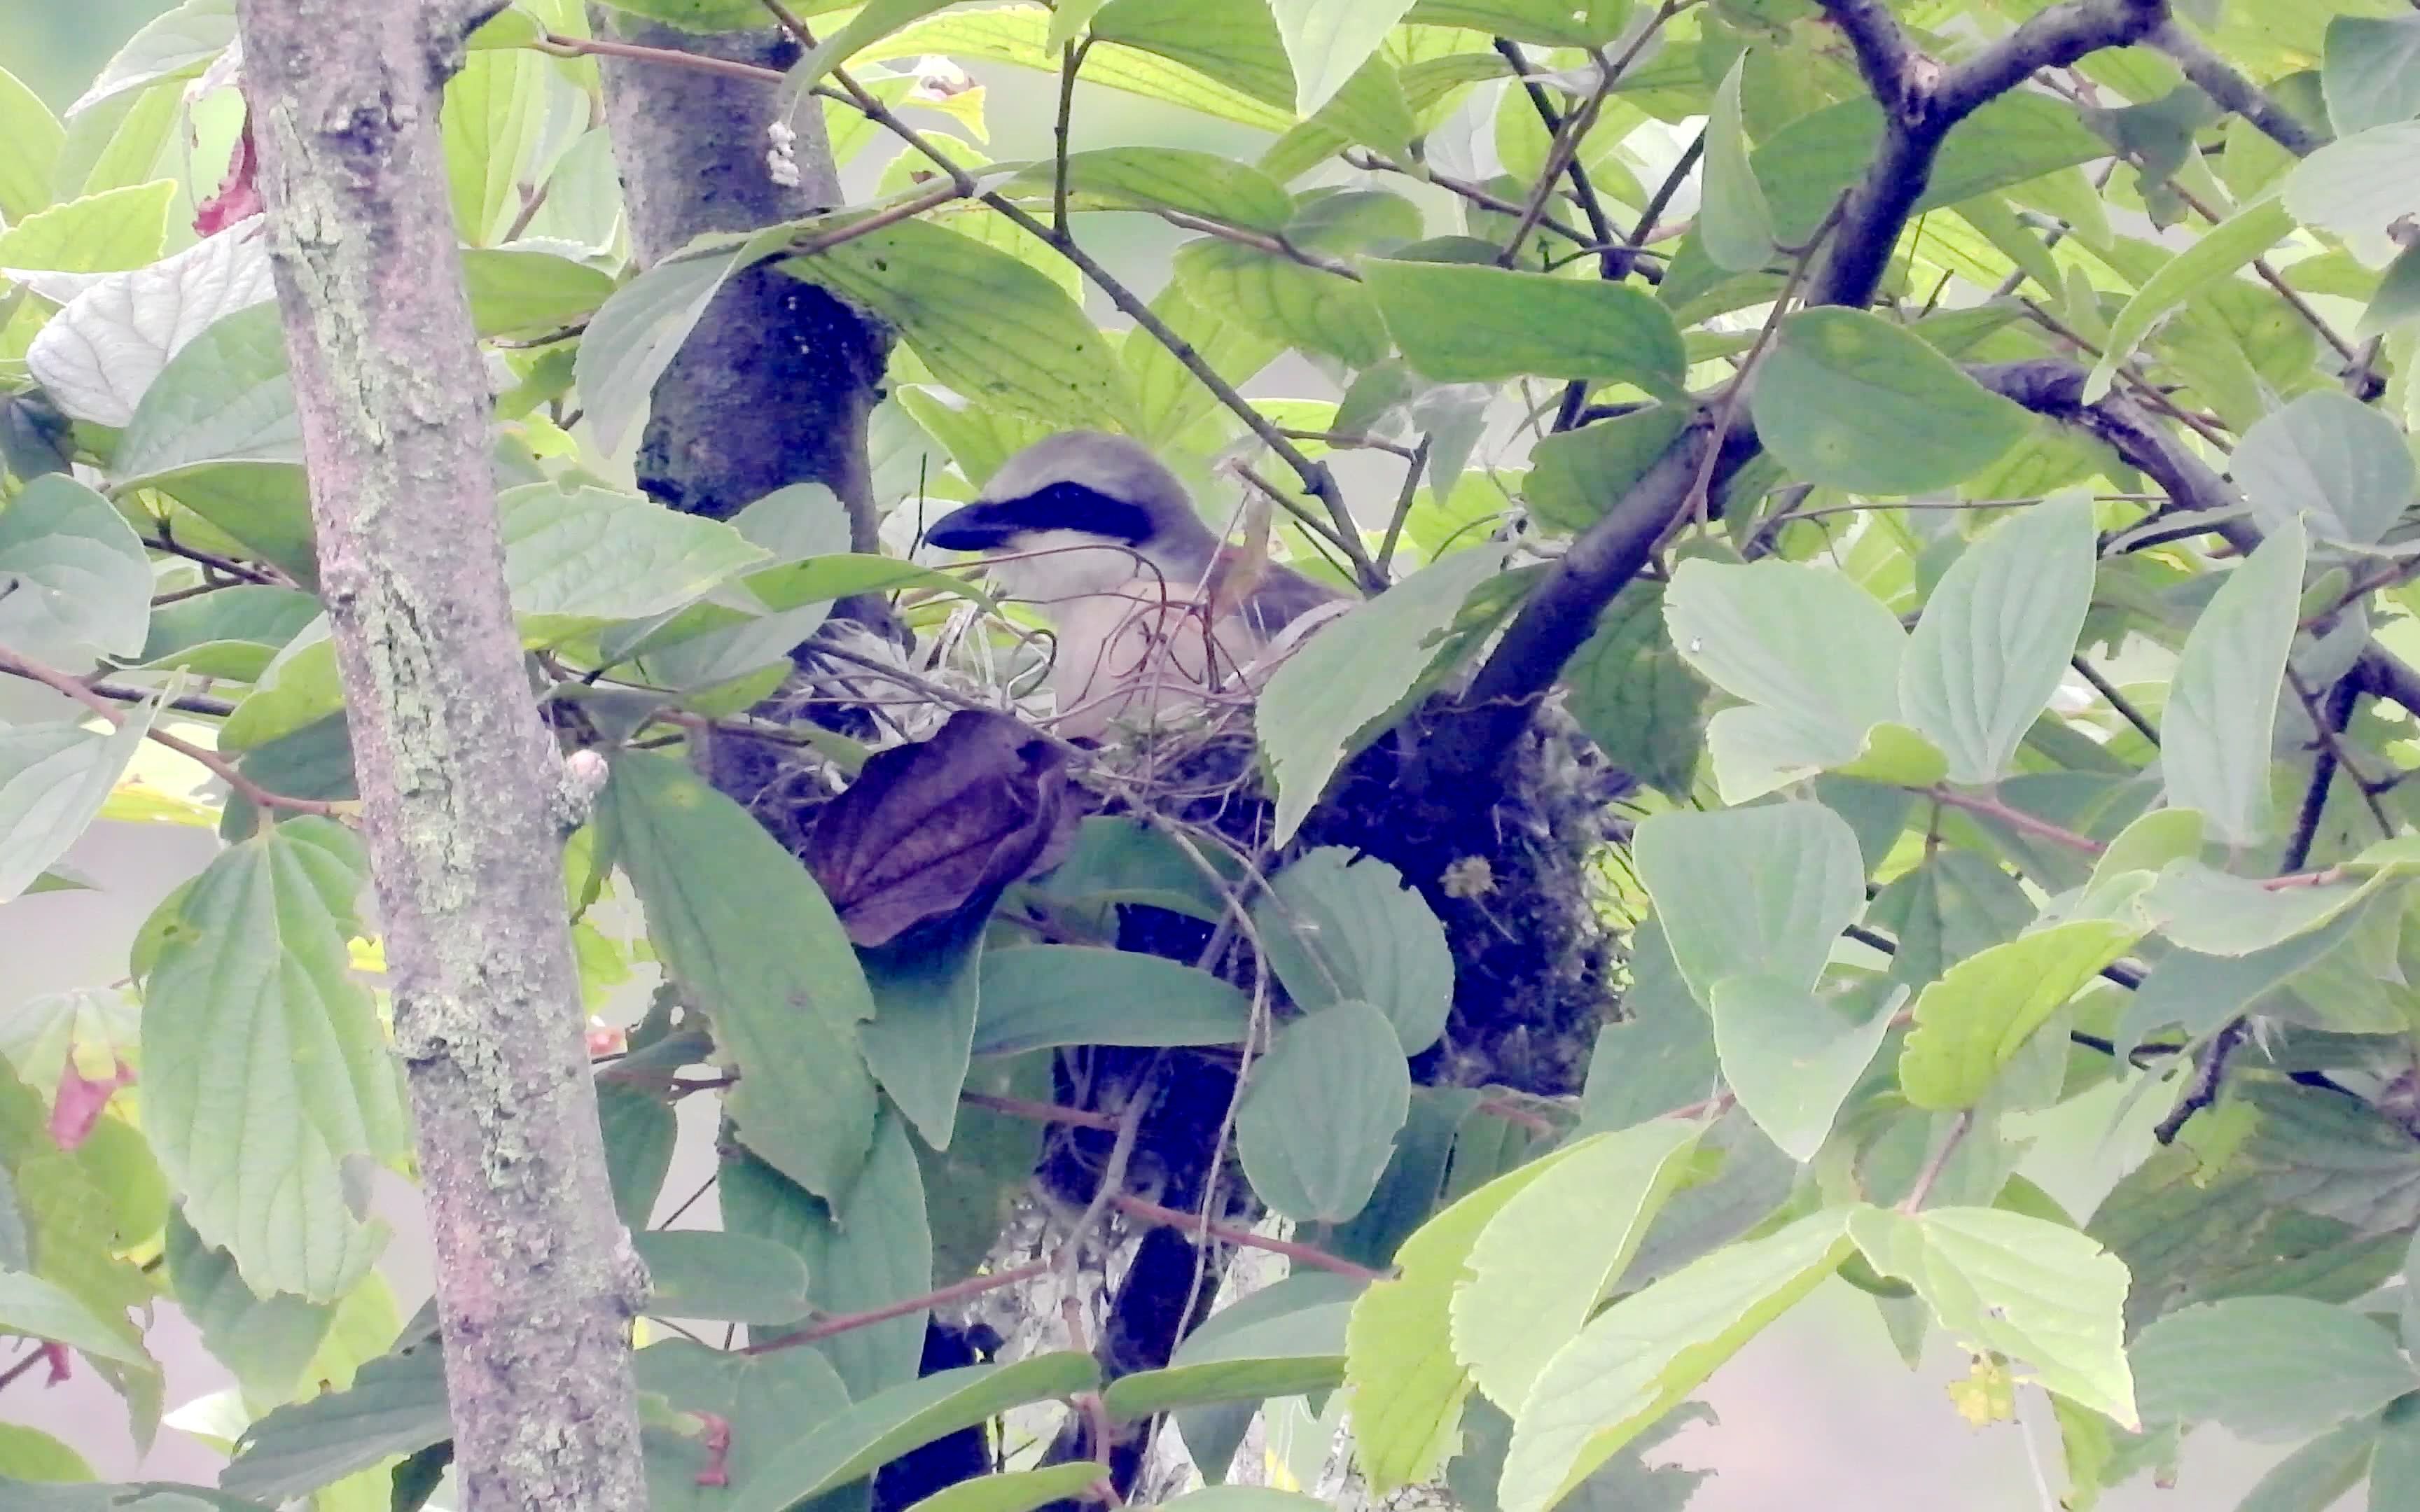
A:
(1931, 1175)
(1477, 193)
(561, 46)
(974, 1286)
(2210, 1077)
(241, 571)
(189, 704)
(2108, 690)
(1018, 1107)
(2220, 80)
(1419, 464)
(1582, 190)
(1152, 1212)
(218, 766)
(1071, 62)
(1986, 806)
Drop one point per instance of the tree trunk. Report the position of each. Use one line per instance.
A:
(536, 1281)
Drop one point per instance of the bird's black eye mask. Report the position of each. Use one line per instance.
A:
(996, 524)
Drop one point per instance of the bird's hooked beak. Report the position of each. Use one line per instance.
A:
(978, 527)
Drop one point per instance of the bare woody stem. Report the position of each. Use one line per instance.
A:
(219, 766)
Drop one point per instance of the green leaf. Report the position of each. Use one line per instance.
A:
(1320, 699)
(2356, 186)
(232, 632)
(30, 1453)
(529, 288)
(2395, 1473)
(988, 325)
(1641, 1357)
(1318, 1121)
(1734, 219)
(2037, 1291)
(1035, 996)
(1245, 1498)
(1241, 47)
(1983, 1010)
(396, 1406)
(2372, 73)
(766, 1400)
(639, 1132)
(582, 557)
(1545, 1261)
(1335, 929)
(2313, 1478)
(266, 1341)
(706, 1274)
(2272, 1369)
(736, 921)
(1537, 21)
(108, 341)
(34, 136)
(1996, 635)
(225, 395)
(1284, 1338)
(265, 1068)
(1407, 1387)
(2222, 703)
(2332, 461)
(1634, 695)
(1282, 300)
(852, 1444)
(110, 232)
(1576, 476)
(1794, 1055)
(875, 1252)
(1175, 178)
(1751, 892)
(1460, 324)
(869, 24)
(493, 115)
(39, 1309)
(1173, 400)
(1017, 1490)
(1329, 40)
(2397, 299)
(79, 585)
(921, 1040)
(2213, 255)
(177, 45)
(1848, 400)
(2202, 908)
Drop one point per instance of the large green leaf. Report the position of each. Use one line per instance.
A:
(987, 325)
(1463, 324)
(1794, 1055)
(1284, 1338)
(223, 395)
(1039, 995)
(1335, 928)
(1641, 1357)
(110, 232)
(2216, 254)
(1171, 178)
(1354, 670)
(108, 341)
(1634, 695)
(493, 115)
(1980, 1013)
(1998, 634)
(706, 1273)
(2037, 1291)
(851, 1446)
(1407, 1387)
(1751, 892)
(267, 1341)
(2338, 464)
(2356, 186)
(2222, 703)
(582, 557)
(79, 586)
(529, 288)
(740, 924)
(767, 1400)
(1576, 476)
(921, 1040)
(1242, 46)
(2372, 74)
(1173, 398)
(396, 1406)
(1542, 1265)
(1283, 300)
(1849, 400)
(265, 1068)
(41, 1309)
(34, 136)
(1328, 42)
(1734, 222)
(1318, 1121)
(231, 632)
(635, 334)
(176, 45)
(2273, 1370)
(1017, 1490)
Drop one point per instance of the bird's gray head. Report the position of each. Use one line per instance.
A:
(1079, 483)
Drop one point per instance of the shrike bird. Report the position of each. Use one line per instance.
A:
(1149, 610)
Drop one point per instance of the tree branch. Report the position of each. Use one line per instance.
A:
(2219, 79)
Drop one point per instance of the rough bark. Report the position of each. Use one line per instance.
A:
(774, 386)
(536, 1281)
